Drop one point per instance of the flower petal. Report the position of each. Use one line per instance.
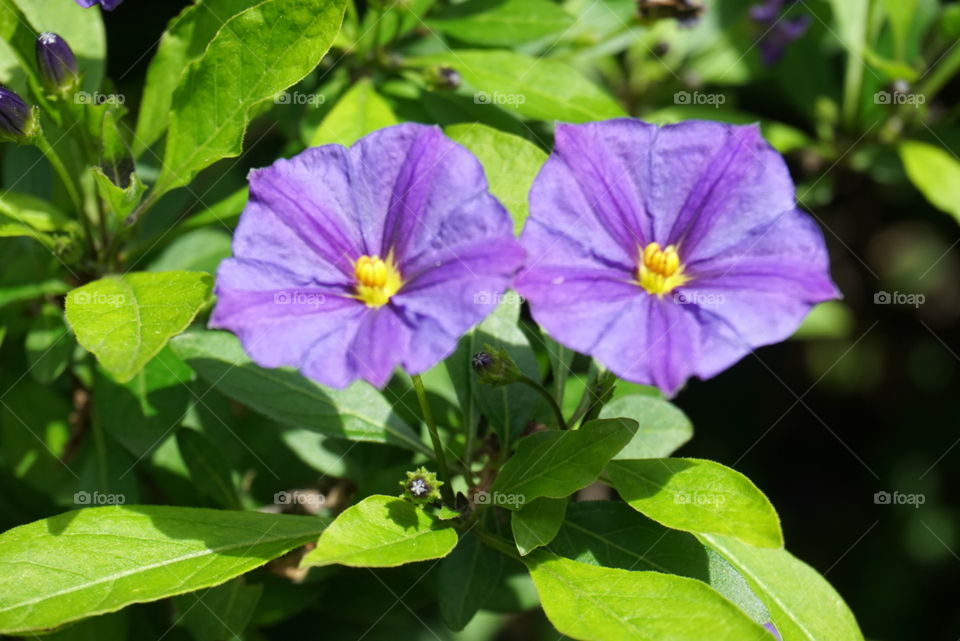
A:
(741, 183)
(762, 288)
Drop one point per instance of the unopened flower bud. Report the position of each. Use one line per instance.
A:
(57, 64)
(495, 367)
(421, 486)
(18, 122)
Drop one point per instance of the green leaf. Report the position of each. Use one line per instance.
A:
(209, 471)
(31, 214)
(538, 88)
(802, 603)
(98, 560)
(219, 613)
(586, 601)
(698, 496)
(200, 250)
(510, 162)
(245, 65)
(120, 200)
(49, 345)
(663, 427)
(536, 523)
(613, 535)
(143, 412)
(106, 627)
(26, 215)
(125, 320)
(557, 463)
(182, 44)
(935, 172)
(359, 112)
(501, 24)
(358, 413)
(382, 532)
(224, 213)
(466, 579)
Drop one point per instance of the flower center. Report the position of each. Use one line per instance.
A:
(377, 279)
(660, 270)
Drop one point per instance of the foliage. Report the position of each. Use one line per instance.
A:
(144, 457)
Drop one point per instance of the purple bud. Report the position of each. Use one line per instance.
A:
(772, 629)
(58, 65)
(17, 121)
(108, 5)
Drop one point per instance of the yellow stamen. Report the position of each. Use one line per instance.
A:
(660, 270)
(377, 279)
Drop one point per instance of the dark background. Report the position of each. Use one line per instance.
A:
(878, 410)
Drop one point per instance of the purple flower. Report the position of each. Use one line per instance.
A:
(350, 262)
(779, 31)
(108, 5)
(668, 252)
(57, 63)
(773, 630)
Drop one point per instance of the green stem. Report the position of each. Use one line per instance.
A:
(590, 404)
(940, 75)
(545, 393)
(47, 149)
(499, 543)
(853, 76)
(446, 489)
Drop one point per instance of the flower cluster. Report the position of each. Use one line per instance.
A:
(663, 252)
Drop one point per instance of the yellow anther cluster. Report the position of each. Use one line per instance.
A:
(660, 270)
(377, 280)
